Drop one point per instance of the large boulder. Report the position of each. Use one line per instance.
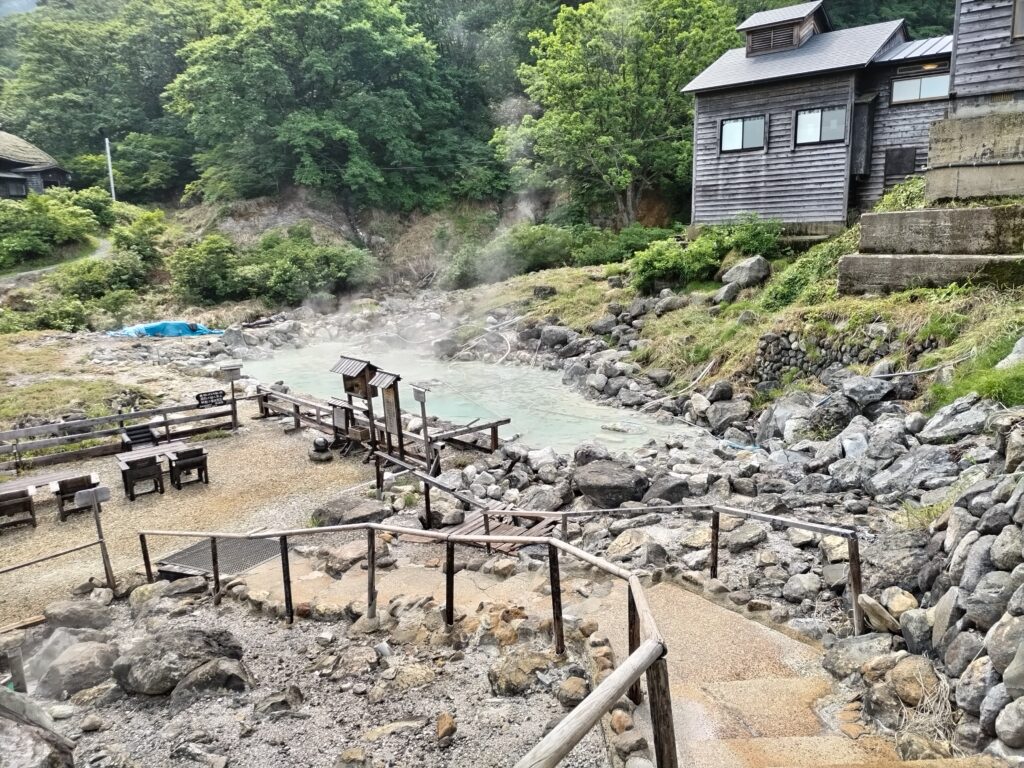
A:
(610, 484)
(214, 677)
(156, 663)
(986, 604)
(727, 413)
(346, 510)
(81, 666)
(912, 470)
(670, 488)
(28, 738)
(864, 390)
(78, 614)
(975, 683)
(963, 417)
(749, 272)
(849, 654)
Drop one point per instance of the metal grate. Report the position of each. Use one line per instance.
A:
(234, 556)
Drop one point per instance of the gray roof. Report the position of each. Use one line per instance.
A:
(827, 52)
(350, 366)
(780, 15)
(919, 49)
(383, 379)
(17, 150)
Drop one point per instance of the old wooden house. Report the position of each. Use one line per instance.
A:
(25, 168)
(805, 122)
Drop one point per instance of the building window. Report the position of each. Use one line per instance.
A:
(771, 39)
(924, 88)
(817, 126)
(1018, 18)
(743, 134)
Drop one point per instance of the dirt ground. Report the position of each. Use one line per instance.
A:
(260, 477)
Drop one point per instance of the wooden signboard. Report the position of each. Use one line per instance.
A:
(392, 419)
(211, 399)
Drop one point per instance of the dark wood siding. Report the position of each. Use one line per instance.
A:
(895, 126)
(988, 59)
(805, 184)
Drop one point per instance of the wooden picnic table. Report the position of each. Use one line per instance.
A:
(160, 451)
(38, 481)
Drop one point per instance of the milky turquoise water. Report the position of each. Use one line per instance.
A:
(544, 412)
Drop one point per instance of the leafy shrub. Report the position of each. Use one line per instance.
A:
(284, 268)
(60, 314)
(812, 275)
(33, 227)
(204, 272)
(908, 196)
(460, 272)
(670, 262)
(614, 248)
(91, 198)
(754, 236)
(141, 236)
(94, 278)
(522, 249)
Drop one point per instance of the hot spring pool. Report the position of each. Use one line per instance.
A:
(544, 412)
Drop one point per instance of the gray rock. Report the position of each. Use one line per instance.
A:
(749, 272)
(978, 563)
(987, 603)
(604, 325)
(1010, 724)
(214, 677)
(30, 740)
(350, 509)
(993, 703)
(78, 614)
(670, 488)
(156, 663)
(556, 335)
(610, 484)
(588, 452)
(864, 391)
(913, 470)
(286, 700)
(1006, 549)
(745, 537)
(802, 586)
(879, 618)
(1013, 675)
(80, 666)
(726, 294)
(726, 413)
(1007, 756)
(975, 683)
(720, 391)
(670, 304)
(1015, 357)
(1002, 641)
(916, 630)
(963, 417)
(850, 653)
(961, 652)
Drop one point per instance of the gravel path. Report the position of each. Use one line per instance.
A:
(259, 478)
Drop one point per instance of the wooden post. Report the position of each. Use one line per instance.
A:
(635, 694)
(108, 569)
(286, 575)
(371, 574)
(658, 687)
(145, 558)
(234, 409)
(716, 519)
(853, 548)
(297, 415)
(487, 529)
(167, 428)
(428, 524)
(449, 584)
(557, 628)
(17, 666)
(215, 566)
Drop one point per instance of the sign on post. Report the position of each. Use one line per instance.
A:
(92, 496)
(211, 399)
(392, 420)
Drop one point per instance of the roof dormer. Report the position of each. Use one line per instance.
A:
(784, 28)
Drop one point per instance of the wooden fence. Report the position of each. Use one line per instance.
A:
(647, 647)
(19, 447)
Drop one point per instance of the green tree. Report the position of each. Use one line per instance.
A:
(608, 77)
(336, 94)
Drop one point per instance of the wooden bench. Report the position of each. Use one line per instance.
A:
(145, 464)
(189, 460)
(17, 504)
(65, 491)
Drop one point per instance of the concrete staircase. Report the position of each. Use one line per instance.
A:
(747, 696)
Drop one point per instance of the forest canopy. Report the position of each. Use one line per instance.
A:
(398, 104)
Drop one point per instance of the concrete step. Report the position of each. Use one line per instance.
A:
(768, 707)
(963, 762)
(785, 752)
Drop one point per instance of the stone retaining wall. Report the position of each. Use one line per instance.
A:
(976, 231)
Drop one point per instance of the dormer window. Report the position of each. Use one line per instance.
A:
(771, 39)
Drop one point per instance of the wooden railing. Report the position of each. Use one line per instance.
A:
(647, 647)
(16, 443)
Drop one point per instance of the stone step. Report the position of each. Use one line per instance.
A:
(831, 750)
(766, 707)
(963, 762)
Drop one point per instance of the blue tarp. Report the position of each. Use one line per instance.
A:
(166, 328)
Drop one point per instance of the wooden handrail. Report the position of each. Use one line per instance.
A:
(788, 522)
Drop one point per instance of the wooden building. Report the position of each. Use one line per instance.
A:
(25, 168)
(805, 123)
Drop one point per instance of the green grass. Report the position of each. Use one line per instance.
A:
(62, 255)
(52, 397)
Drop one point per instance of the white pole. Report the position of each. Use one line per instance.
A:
(110, 171)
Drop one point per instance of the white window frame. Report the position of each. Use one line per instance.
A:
(920, 79)
(821, 111)
(743, 121)
(1017, 28)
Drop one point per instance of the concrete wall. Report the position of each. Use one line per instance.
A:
(976, 156)
(884, 273)
(972, 231)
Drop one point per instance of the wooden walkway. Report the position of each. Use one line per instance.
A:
(500, 523)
